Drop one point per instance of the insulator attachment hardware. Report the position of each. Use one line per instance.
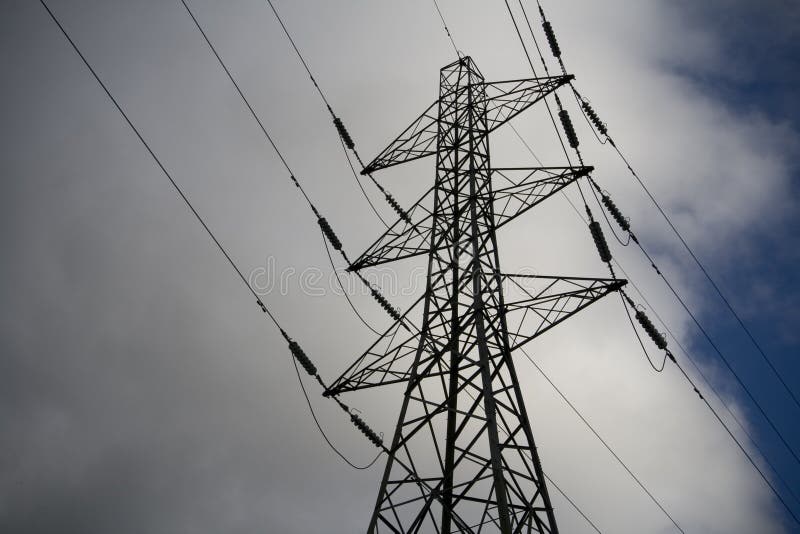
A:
(569, 129)
(615, 212)
(300, 356)
(384, 303)
(601, 127)
(551, 38)
(600, 241)
(343, 133)
(396, 207)
(328, 231)
(649, 327)
(366, 430)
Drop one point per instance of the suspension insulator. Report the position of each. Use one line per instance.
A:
(601, 127)
(384, 304)
(343, 133)
(328, 231)
(551, 38)
(649, 327)
(396, 207)
(300, 355)
(616, 213)
(366, 430)
(569, 129)
(600, 241)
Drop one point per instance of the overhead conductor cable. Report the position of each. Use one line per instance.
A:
(294, 347)
(341, 129)
(603, 130)
(668, 354)
(683, 304)
(323, 223)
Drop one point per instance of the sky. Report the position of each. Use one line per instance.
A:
(141, 389)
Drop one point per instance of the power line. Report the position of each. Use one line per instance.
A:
(553, 44)
(326, 228)
(361, 187)
(572, 503)
(680, 237)
(327, 104)
(299, 55)
(247, 103)
(533, 70)
(344, 135)
(344, 291)
(662, 344)
(292, 344)
(720, 354)
(741, 447)
(323, 433)
(160, 165)
(710, 385)
(709, 277)
(446, 29)
(600, 438)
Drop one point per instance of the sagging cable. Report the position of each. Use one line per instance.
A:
(300, 356)
(349, 143)
(331, 236)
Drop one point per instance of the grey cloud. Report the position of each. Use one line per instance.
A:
(141, 389)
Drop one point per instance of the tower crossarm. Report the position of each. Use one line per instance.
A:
(516, 190)
(542, 303)
(389, 359)
(403, 239)
(507, 99)
(416, 141)
(545, 301)
(504, 100)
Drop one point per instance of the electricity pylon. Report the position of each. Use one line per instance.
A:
(463, 458)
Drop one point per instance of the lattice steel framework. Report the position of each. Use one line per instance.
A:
(463, 458)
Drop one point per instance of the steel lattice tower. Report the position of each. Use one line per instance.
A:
(463, 458)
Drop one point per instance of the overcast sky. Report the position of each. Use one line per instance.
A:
(141, 390)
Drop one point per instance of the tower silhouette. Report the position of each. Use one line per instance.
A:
(463, 457)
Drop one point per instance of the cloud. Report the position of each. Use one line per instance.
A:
(141, 389)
